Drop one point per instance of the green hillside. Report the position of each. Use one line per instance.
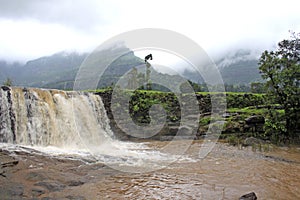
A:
(59, 70)
(242, 72)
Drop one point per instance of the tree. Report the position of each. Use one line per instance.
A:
(8, 82)
(281, 70)
(257, 87)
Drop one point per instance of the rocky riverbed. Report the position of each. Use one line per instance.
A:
(226, 173)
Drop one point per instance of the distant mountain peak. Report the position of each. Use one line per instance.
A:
(233, 57)
(236, 67)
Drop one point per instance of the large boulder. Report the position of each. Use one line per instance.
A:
(250, 141)
(255, 119)
(255, 122)
(5, 88)
(249, 196)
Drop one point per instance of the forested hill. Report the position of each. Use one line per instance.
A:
(49, 71)
(236, 68)
(242, 72)
(59, 70)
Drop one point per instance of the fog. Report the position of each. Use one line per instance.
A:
(32, 28)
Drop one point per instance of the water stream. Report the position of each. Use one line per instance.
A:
(58, 128)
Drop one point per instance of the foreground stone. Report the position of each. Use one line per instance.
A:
(11, 190)
(51, 185)
(253, 141)
(249, 196)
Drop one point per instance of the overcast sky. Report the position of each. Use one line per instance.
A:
(33, 28)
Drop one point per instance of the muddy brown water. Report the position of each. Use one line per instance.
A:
(226, 173)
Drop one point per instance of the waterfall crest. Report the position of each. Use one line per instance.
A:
(41, 117)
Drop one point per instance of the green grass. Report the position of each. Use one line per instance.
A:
(161, 92)
(247, 110)
(230, 93)
(105, 89)
(204, 121)
(97, 90)
(251, 110)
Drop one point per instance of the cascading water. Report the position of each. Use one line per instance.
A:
(40, 117)
(73, 123)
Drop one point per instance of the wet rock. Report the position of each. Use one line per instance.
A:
(226, 115)
(37, 191)
(255, 119)
(255, 122)
(9, 164)
(25, 89)
(253, 141)
(278, 159)
(166, 138)
(12, 191)
(184, 130)
(34, 176)
(249, 196)
(75, 197)
(6, 162)
(48, 198)
(5, 88)
(173, 129)
(75, 183)
(2, 173)
(51, 186)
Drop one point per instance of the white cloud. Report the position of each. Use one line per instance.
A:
(77, 14)
(29, 39)
(34, 28)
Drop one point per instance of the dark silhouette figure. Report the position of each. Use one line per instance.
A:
(148, 57)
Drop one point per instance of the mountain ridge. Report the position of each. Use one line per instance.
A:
(59, 70)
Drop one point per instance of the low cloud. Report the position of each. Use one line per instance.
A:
(80, 15)
(33, 28)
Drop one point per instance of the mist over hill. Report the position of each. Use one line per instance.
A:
(240, 67)
(236, 68)
(59, 70)
(43, 72)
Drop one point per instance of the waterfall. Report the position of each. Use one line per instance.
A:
(73, 124)
(41, 117)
